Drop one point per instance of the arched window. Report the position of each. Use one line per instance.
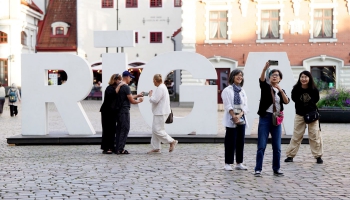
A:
(59, 31)
(24, 38)
(3, 37)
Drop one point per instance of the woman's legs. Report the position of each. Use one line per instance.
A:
(11, 110)
(263, 134)
(230, 144)
(276, 132)
(240, 143)
(158, 132)
(315, 139)
(2, 101)
(299, 130)
(108, 131)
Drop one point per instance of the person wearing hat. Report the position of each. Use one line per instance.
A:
(123, 118)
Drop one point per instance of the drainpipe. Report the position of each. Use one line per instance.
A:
(175, 89)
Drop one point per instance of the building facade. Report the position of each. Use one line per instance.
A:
(314, 34)
(18, 30)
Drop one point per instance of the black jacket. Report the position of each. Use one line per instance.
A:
(266, 98)
(305, 99)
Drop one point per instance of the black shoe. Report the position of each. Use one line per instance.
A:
(288, 159)
(319, 160)
(278, 173)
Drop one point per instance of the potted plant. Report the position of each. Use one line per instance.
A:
(334, 107)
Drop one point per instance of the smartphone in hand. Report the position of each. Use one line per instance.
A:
(273, 62)
(145, 93)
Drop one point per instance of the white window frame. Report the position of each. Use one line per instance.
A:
(279, 5)
(314, 6)
(218, 5)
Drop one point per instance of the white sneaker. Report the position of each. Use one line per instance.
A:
(240, 166)
(228, 167)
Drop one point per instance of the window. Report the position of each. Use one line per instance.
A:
(324, 77)
(3, 37)
(136, 37)
(59, 31)
(156, 37)
(23, 38)
(177, 3)
(323, 26)
(3, 72)
(107, 3)
(218, 25)
(270, 24)
(156, 3)
(131, 3)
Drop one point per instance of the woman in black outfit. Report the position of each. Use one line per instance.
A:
(305, 95)
(109, 113)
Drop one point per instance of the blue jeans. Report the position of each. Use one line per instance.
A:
(266, 127)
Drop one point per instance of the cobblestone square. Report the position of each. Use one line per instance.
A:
(193, 171)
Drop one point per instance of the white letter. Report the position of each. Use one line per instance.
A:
(36, 93)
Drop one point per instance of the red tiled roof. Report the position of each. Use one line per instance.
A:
(58, 11)
(32, 6)
(177, 32)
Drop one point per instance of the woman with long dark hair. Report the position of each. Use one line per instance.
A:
(236, 107)
(305, 95)
(109, 113)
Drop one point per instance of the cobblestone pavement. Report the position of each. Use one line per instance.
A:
(193, 171)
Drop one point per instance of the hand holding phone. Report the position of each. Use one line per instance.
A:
(145, 93)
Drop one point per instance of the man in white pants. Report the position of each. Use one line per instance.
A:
(161, 110)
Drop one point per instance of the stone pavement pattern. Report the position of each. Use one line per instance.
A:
(193, 171)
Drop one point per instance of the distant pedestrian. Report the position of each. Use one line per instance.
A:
(236, 107)
(305, 95)
(123, 118)
(14, 99)
(265, 112)
(109, 113)
(161, 109)
(2, 97)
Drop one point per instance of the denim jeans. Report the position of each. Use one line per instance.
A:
(265, 127)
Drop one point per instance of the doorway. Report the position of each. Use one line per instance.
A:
(221, 81)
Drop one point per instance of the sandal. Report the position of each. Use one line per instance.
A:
(123, 152)
(107, 151)
(173, 145)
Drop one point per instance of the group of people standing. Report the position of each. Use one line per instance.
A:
(14, 98)
(115, 114)
(272, 98)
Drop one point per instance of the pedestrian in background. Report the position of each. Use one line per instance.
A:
(305, 96)
(123, 118)
(2, 97)
(265, 113)
(160, 101)
(236, 106)
(14, 99)
(109, 113)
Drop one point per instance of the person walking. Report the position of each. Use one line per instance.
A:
(109, 113)
(2, 97)
(305, 95)
(14, 98)
(266, 109)
(160, 101)
(236, 107)
(123, 118)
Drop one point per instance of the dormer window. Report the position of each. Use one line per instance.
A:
(60, 29)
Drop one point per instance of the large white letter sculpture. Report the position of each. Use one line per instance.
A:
(203, 117)
(252, 71)
(36, 93)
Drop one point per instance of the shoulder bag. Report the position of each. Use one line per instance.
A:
(277, 117)
(170, 118)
